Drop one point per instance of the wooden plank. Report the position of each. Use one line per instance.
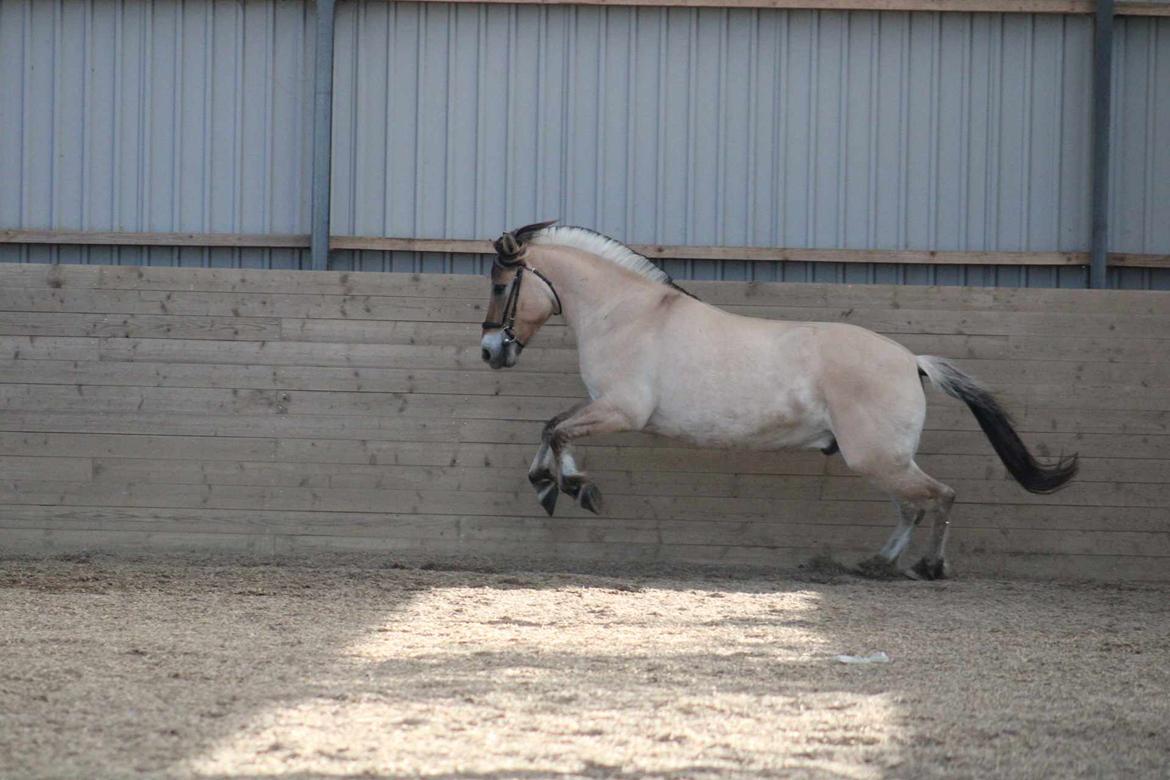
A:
(938, 455)
(48, 348)
(1104, 458)
(516, 498)
(818, 517)
(309, 354)
(1098, 386)
(357, 285)
(535, 532)
(91, 238)
(1047, 434)
(136, 325)
(70, 469)
(47, 541)
(199, 401)
(1129, 8)
(41, 541)
(553, 350)
(155, 447)
(886, 321)
(380, 408)
(387, 306)
(764, 254)
(634, 477)
(299, 378)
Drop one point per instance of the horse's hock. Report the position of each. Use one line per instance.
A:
(272, 412)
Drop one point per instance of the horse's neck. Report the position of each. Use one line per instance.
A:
(592, 289)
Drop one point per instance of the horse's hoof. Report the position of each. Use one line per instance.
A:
(590, 498)
(571, 486)
(547, 494)
(927, 569)
(878, 568)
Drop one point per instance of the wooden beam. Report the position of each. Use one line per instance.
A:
(1142, 9)
(654, 251)
(778, 254)
(936, 6)
(380, 244)
(91, 238)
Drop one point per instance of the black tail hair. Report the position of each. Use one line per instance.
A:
(997, 425)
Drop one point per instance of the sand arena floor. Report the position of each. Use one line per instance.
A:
(182, 669)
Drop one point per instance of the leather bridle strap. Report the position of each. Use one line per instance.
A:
(508, 316)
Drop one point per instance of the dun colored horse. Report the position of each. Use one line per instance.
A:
(655, 358)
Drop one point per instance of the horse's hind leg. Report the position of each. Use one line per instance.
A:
(917, 494)
(909, 516)
(933, 566)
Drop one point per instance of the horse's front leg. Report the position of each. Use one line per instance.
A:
(543, 473)
(595, 417)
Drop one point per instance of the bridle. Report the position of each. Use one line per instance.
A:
(510, 259)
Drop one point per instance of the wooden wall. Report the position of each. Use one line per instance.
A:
(146, 409)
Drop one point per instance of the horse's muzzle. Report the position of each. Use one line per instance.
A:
(497, 351)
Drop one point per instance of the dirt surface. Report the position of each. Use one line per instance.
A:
(114, 669)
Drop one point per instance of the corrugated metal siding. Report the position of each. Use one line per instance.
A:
(681, 126)
(155, 116)
(1139, 214)
(711, 126)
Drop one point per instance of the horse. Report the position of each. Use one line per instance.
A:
(655, 358)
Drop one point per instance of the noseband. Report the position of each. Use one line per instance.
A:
(508, 316)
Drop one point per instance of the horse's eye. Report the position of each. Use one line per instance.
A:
(498, 289)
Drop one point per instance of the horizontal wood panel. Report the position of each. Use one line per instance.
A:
(682, 252)
(903, 310)
(551, 350)
(292, 411)
(765, 535)
(1105, 385)
(1041, 431)
(514, 498)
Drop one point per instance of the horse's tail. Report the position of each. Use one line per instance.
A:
(997, 425)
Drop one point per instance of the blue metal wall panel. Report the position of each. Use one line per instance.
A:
(677, 126)
(132, 115)
(1139, 213)
(712, 126)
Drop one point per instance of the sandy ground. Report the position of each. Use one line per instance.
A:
(172, 669)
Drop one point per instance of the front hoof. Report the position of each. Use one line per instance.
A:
(590, 498)
(878, 568)
(927, 569)
(538, 478)
(546, 494)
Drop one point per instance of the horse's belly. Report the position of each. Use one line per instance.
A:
(763, 429)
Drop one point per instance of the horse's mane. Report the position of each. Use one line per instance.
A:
(606, 248)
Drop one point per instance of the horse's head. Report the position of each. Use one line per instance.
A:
(522, 299)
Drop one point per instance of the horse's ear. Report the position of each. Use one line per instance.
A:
(523, 234)
(507, 248)
(510, 246)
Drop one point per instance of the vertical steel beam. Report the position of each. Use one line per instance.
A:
(322, 133)
(1102, 94)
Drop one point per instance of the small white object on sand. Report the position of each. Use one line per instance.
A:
(873, 658)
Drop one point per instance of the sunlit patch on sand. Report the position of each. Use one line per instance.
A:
(569, 679)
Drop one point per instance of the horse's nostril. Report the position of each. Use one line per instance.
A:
(486, 354)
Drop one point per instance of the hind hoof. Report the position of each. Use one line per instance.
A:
(590, 498)
(546, 494)
(927, 569)
(878, 568)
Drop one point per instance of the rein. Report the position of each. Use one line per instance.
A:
(508, 316)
